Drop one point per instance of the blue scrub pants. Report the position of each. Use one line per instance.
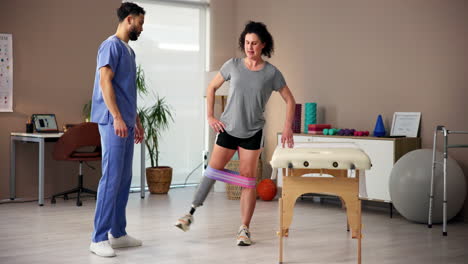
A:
(114, 186)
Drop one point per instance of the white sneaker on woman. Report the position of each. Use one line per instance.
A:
(243, 236)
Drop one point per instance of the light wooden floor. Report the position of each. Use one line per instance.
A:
(61, 234)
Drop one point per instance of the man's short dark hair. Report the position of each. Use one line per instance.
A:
(129, 8)
(261, 31)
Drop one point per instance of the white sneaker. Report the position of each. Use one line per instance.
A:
(184, 222)
(124, 241)
(102, 249)
(243, 236)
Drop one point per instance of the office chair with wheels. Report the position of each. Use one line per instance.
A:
(80, 143)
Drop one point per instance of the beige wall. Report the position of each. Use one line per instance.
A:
(223, 32)
(55, 44)
(361, 58)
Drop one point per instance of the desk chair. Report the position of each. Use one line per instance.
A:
(80, 143)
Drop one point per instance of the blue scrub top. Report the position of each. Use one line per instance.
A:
(114, 53)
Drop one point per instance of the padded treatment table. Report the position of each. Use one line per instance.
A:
(342, 162)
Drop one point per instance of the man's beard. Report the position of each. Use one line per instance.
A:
(133, 34)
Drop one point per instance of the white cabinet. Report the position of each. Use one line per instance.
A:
(383, 153)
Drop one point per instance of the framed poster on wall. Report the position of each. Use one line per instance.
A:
(405, 124)
(6, 73)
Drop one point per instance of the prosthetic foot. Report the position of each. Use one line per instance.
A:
(203, 189)
(184, 222)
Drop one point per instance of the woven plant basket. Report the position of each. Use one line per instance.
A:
(159, 179)
(233, 192)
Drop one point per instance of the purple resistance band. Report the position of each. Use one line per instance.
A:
(231, 177)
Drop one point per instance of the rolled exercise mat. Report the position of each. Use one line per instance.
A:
(310, 115)
(296, 126)
(303, 128)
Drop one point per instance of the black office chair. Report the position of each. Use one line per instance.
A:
(80, 143)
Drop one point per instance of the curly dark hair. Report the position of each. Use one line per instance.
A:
(261, 31)
(129, 8)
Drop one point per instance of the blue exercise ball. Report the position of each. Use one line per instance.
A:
(410, 183)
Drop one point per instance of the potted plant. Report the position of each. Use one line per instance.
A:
(155, 119)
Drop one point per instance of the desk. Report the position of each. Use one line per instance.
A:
(41, 139)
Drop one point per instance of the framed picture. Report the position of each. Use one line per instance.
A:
(44, 123)
(405, 124)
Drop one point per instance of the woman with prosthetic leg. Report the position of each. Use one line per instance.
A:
(240, 127)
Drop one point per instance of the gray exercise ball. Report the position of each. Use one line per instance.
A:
(410, 183)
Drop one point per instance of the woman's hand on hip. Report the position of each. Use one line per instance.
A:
(216, 125)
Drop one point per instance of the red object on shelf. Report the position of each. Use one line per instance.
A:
(318, 127)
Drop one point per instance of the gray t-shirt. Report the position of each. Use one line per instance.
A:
(248, 94)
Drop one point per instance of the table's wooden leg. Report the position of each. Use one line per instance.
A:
(343, 205)
(359, 251)
(360, 232)
(281, 232)
(354, 219)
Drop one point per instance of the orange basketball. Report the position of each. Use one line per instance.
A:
(266, 189)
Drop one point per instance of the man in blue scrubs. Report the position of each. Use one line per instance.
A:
(114, 109)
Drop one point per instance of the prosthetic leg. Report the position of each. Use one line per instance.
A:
(211, 176)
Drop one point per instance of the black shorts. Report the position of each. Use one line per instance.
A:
(254, 142)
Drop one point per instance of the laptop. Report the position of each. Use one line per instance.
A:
(45, 123)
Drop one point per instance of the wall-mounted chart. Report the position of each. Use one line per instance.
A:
(6, 73)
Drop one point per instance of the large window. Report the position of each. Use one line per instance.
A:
(172, 53)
